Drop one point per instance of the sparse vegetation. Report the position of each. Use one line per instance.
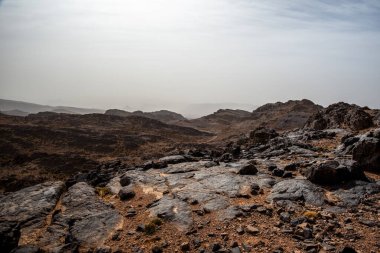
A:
(152, 226)
(156, 221)
(102, 191)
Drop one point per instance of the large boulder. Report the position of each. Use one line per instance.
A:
(367, 151)
(248, 169)
(334, 172)
(297, 190)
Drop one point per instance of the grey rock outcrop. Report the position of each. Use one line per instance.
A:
(179, 186)
(174, 210)
(25, 211)
(334, 172)
(340, 115)
(365, 149)
(84, 222)
(356, 193)
(297, 190)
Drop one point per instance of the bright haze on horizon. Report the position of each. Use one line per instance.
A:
(167, 54)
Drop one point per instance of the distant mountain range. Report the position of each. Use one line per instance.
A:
(191, 111)
(226, 122)
(19, 108)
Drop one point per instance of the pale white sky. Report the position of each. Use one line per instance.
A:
(169, 53)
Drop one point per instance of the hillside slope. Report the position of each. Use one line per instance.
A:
(57, 145)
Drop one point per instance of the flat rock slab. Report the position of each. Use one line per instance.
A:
(298, 190)
(25, 211)
(30, 205)
(353, 196)
(84, 223)
(174, 210)
(180, 185)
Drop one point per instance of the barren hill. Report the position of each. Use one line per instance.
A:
(280, 116)
(162, 115)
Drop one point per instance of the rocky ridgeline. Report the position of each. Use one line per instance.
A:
(341, 115)
(265, 184)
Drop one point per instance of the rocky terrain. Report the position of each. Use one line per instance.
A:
(342, 115)
(176, 189)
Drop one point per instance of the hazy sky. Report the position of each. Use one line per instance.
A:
(119, 53)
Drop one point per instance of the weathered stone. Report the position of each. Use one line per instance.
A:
(348, 249)
(215, 204)
(131, 212)
(278, 172)
(215, 247)
(173, 210)
(367, 152)
(235, 250)
(354, 195)
(291, 167)
(271, 167)
(140, 228)
(173, 159)
(285, 217)
(297, 190)
(240, 230)
(248, 169)
(25, 211)
(157, 249)
(26, 249)
(211, 164)
(114, 185)
(103, 249)
(229, 213)
(126, 193)
(185, 246)
(226, 157)
(125, 180)
(255, 189)
(84, 218)
(334, 172)
(252, 230)
(287, 174)
(9, 235)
